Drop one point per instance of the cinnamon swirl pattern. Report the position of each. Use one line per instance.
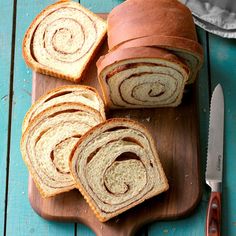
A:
(142, 77)
(71, 93)
(116, 167)
(62, 40)
(48, 140)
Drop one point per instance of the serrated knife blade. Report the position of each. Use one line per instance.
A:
(214, 167)
(215, 140)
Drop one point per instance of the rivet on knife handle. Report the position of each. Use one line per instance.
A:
(214, 215)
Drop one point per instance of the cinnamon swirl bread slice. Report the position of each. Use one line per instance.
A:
(116, 167)
(70, 93)
(48, 140)
(62, 40)
(141, 77)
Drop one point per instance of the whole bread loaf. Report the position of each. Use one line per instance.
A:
(116, 167)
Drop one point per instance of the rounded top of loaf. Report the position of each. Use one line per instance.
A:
(156, 17)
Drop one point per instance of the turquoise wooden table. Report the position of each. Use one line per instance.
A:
(16, 216)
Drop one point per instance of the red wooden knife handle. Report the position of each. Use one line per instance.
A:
(214, 215)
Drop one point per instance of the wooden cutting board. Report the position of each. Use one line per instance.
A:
(175, 131)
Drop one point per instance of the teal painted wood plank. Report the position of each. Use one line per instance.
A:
(5, 67)
(193, 225)
(102, 6)
(203, 102)
(83, 230)
(190, 226)
(21, 219)
(223, 70)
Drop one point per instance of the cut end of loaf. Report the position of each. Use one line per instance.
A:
(142, 77)
(116, 167)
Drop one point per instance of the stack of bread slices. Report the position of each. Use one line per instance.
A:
(67, 143)
(51, 128)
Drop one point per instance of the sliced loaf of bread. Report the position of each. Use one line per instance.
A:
(70, 93)
(116, 167)
(164, 24)
(48, 141)
(62, 40)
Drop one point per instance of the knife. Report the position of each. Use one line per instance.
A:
(215, 161)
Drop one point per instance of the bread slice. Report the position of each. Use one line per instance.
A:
(48, 140)
(142, 77)
(62, 40)
(116, 167)
(69, 93)
(173, 29)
